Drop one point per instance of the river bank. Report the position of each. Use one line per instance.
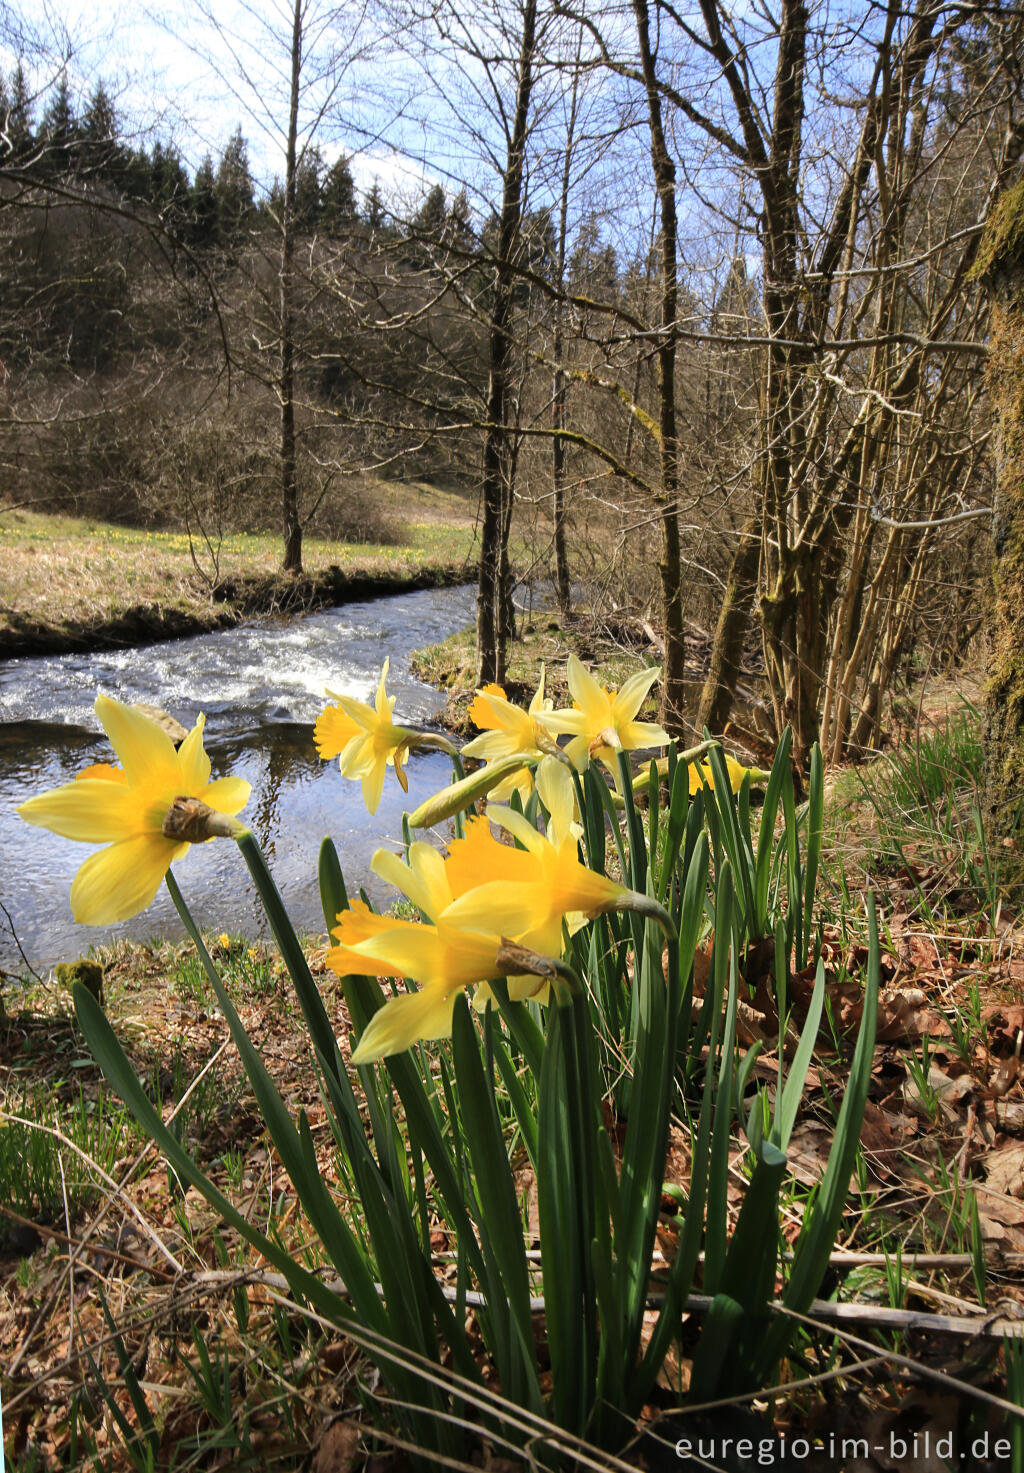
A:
(72, 585)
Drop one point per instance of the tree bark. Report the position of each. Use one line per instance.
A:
(719, 690)
(1001, 265)
(496, 482)
(560, 387)
(670, 568)
(286, 383)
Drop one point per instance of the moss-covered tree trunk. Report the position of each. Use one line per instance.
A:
(1000, 264)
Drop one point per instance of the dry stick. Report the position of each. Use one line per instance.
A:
(845, 1258)
(71, 1271)
(982, 1325)
(963, 1387)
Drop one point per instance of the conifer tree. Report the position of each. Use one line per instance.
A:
(339, 197)
(234, 187)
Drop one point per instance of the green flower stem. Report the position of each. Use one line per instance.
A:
(431, 741)
(646, 905)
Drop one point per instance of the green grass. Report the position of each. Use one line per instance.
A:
(48, 1179)
(918, 813)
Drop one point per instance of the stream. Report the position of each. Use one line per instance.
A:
(261, 687)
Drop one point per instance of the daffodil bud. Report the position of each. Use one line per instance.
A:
(463, 793)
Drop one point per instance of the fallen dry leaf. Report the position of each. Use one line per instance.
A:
(338, 1447)
(1004, 1170)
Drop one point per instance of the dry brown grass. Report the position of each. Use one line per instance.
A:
(67, 574)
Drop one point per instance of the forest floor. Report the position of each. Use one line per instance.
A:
(927, 1267)
(69, 583)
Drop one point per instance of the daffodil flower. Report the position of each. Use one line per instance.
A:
(126, 809)
(702, 776)
(365, 739)
(602, 722)
(442, 958)
(526, 894)
(509, 731)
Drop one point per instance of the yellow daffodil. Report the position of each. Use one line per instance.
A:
(125, 808)
(442, 959)
(509, 731)
(602, 721)
(365, 739)
(702, 776)
(525, 894)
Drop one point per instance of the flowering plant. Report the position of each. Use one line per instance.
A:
(584, 1046)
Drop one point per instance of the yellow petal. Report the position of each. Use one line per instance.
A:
(519, 826)
(555, 786)
(423, 880)
(506, 910)
(633, 694)
(193, 763)
(592, 700)
(373, 785)
(490, 745)
(120, 881)
(644, 734)
(358, 757)
(227, 794)
(104, 771)
(94, 810)
(146, 751)
(385, 706)
(403, 1021)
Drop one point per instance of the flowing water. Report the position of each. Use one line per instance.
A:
(261, 687)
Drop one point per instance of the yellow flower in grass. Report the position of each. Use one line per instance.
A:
(703, 776)
(125, 809)
(365, 740)
(509, 731)
(602, 721)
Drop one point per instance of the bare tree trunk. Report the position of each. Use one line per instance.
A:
(286, 383)
(668, 500)
(560, 386)
(1000, 264)
(719, 690)
(490, 624)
